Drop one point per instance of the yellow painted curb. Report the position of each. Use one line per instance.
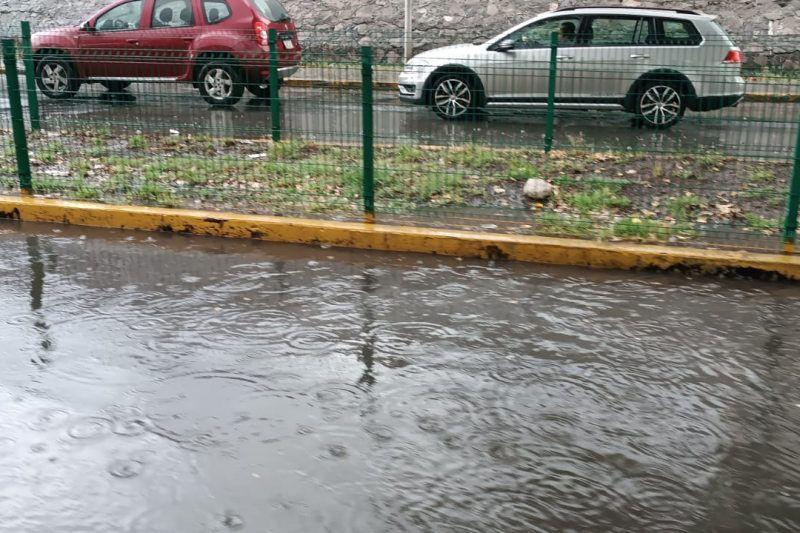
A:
(548, 250)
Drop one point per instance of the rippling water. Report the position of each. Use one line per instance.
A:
(168, 384)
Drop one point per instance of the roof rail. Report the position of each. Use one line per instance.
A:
(683, 11)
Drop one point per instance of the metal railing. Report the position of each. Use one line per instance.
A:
(574, 159)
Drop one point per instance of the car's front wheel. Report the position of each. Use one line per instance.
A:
(454, 97)
(221, 84)
(660, 104)
(56, 77)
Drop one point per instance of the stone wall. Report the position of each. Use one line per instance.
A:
(758, 25)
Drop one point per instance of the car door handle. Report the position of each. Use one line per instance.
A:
(640, 56)
(565, 58)
(188, 39)
(132, 41)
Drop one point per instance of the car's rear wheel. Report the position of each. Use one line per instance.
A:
(660, 104)
(115, 86)
(220, 84)
(56, 77)
(454, 97)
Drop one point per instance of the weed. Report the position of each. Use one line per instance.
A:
(644, 229)
(760, 175)
(409, 154)
(50, 152)
(548, 223)
(760, 223)
(684, 174)
(80, 167)
(523, 171)
(137, 142)
(598, 199)
(710, 159)
(153, 193)
(681, 207)
(476, 157)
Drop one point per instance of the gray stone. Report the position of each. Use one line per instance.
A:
(537, 189)
(748, 21)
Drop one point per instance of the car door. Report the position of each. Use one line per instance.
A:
(613, 53)
(522, 73)
(109, 46)
(168, 37)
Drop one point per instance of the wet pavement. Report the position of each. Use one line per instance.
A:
(165, 383)
(752, 129)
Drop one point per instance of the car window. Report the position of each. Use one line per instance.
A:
(611, 31)
(125, 16)
(216, 10)
(270, 9)
(172, 14)
(537, 35)
(678, 33)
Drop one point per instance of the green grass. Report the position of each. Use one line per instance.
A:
(680, 208)
(758, 222)
(760, 175)
(767, 195)
(138, 143)
(548, 223)
(476, 157)
(598, 199)
(710, 160)
(50, 152)
(409, 154)
(523, 171)
(646, 229)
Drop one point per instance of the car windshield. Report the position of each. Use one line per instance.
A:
(270, 9)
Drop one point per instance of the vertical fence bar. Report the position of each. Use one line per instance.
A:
(17, 118)
(368, 134)
(30, 75)
(274, 82)
(551, 94)
(790, 226)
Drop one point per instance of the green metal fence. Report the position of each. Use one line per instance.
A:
(333, 140)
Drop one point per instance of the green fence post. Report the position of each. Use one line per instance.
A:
(274, 83)
(30, 75)
(551, 94)
(368, 134)
(790, 226)
(17, 119)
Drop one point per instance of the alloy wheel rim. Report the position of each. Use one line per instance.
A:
(452, 97)
(218, 83)
(660, 104)
(54, 77)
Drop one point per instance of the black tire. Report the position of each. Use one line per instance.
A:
(660, 104)
(454, 96)
(115, 86)
(220, 83)
(258, 91)
(56, 77)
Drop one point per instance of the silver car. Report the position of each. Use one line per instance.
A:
(655, 63)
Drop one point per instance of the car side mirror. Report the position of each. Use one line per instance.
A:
(86, 27)
(505, 45)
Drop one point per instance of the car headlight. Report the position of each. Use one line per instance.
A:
(416, 66)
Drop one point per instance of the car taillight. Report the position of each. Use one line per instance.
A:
(262, 33)
(734, 56)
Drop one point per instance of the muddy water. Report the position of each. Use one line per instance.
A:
(174, 384)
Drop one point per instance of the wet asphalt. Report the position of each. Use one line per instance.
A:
(162, 383)
(334, 115)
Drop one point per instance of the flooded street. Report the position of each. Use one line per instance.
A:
(165, 383)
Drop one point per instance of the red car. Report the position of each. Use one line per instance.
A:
(220, 46)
